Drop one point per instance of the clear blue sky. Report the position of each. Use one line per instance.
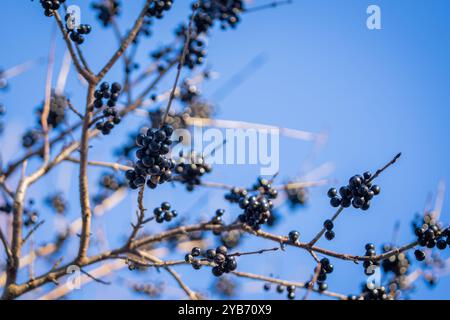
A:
(375, 92)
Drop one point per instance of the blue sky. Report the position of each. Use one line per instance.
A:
(376, 92)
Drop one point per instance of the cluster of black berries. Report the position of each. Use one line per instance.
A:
(196, 53)
(256, 207)
(50, 6)
(223, 262)
(236, 194)
(157, 8)
(226, 11)
(431, 234)
(30, 138)
(358, 193)
(369, 265)
(57, 110)
(218, 217)
(163, 213)
(57, 203)
(371, 292)
(325, 268)
(296, 196)
(329, 225)
(280, 289)
(397, 264)
(191, 169)
(152, 159)
(196, 50)
(256, 211)
(106, 11)
(110, 112)
(2, 113)
(265, 187)
(77, 34)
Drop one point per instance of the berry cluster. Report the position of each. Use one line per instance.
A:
(110, 112)
(218, 217)
(265, 187)
(358, 193)
(369, 265)
(290, 291)
(196, 53)
(57, 203)
(329, 225)
(236, 194)
(398, 265)
(191, 169)
(325, 268)
(431, 234)
(57, 110)
(157, 8)
(223, 262)
(296, 196)
(152, 159)
(163, 213)
(77, 34)
(226, 11)
(50, 6)
(2, 113)
(256, 211)
(30, 138)
(107, 11)
(256, 206)
(371, 292)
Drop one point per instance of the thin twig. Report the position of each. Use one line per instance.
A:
(35, 227)
(180, 66)
(126, 42)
